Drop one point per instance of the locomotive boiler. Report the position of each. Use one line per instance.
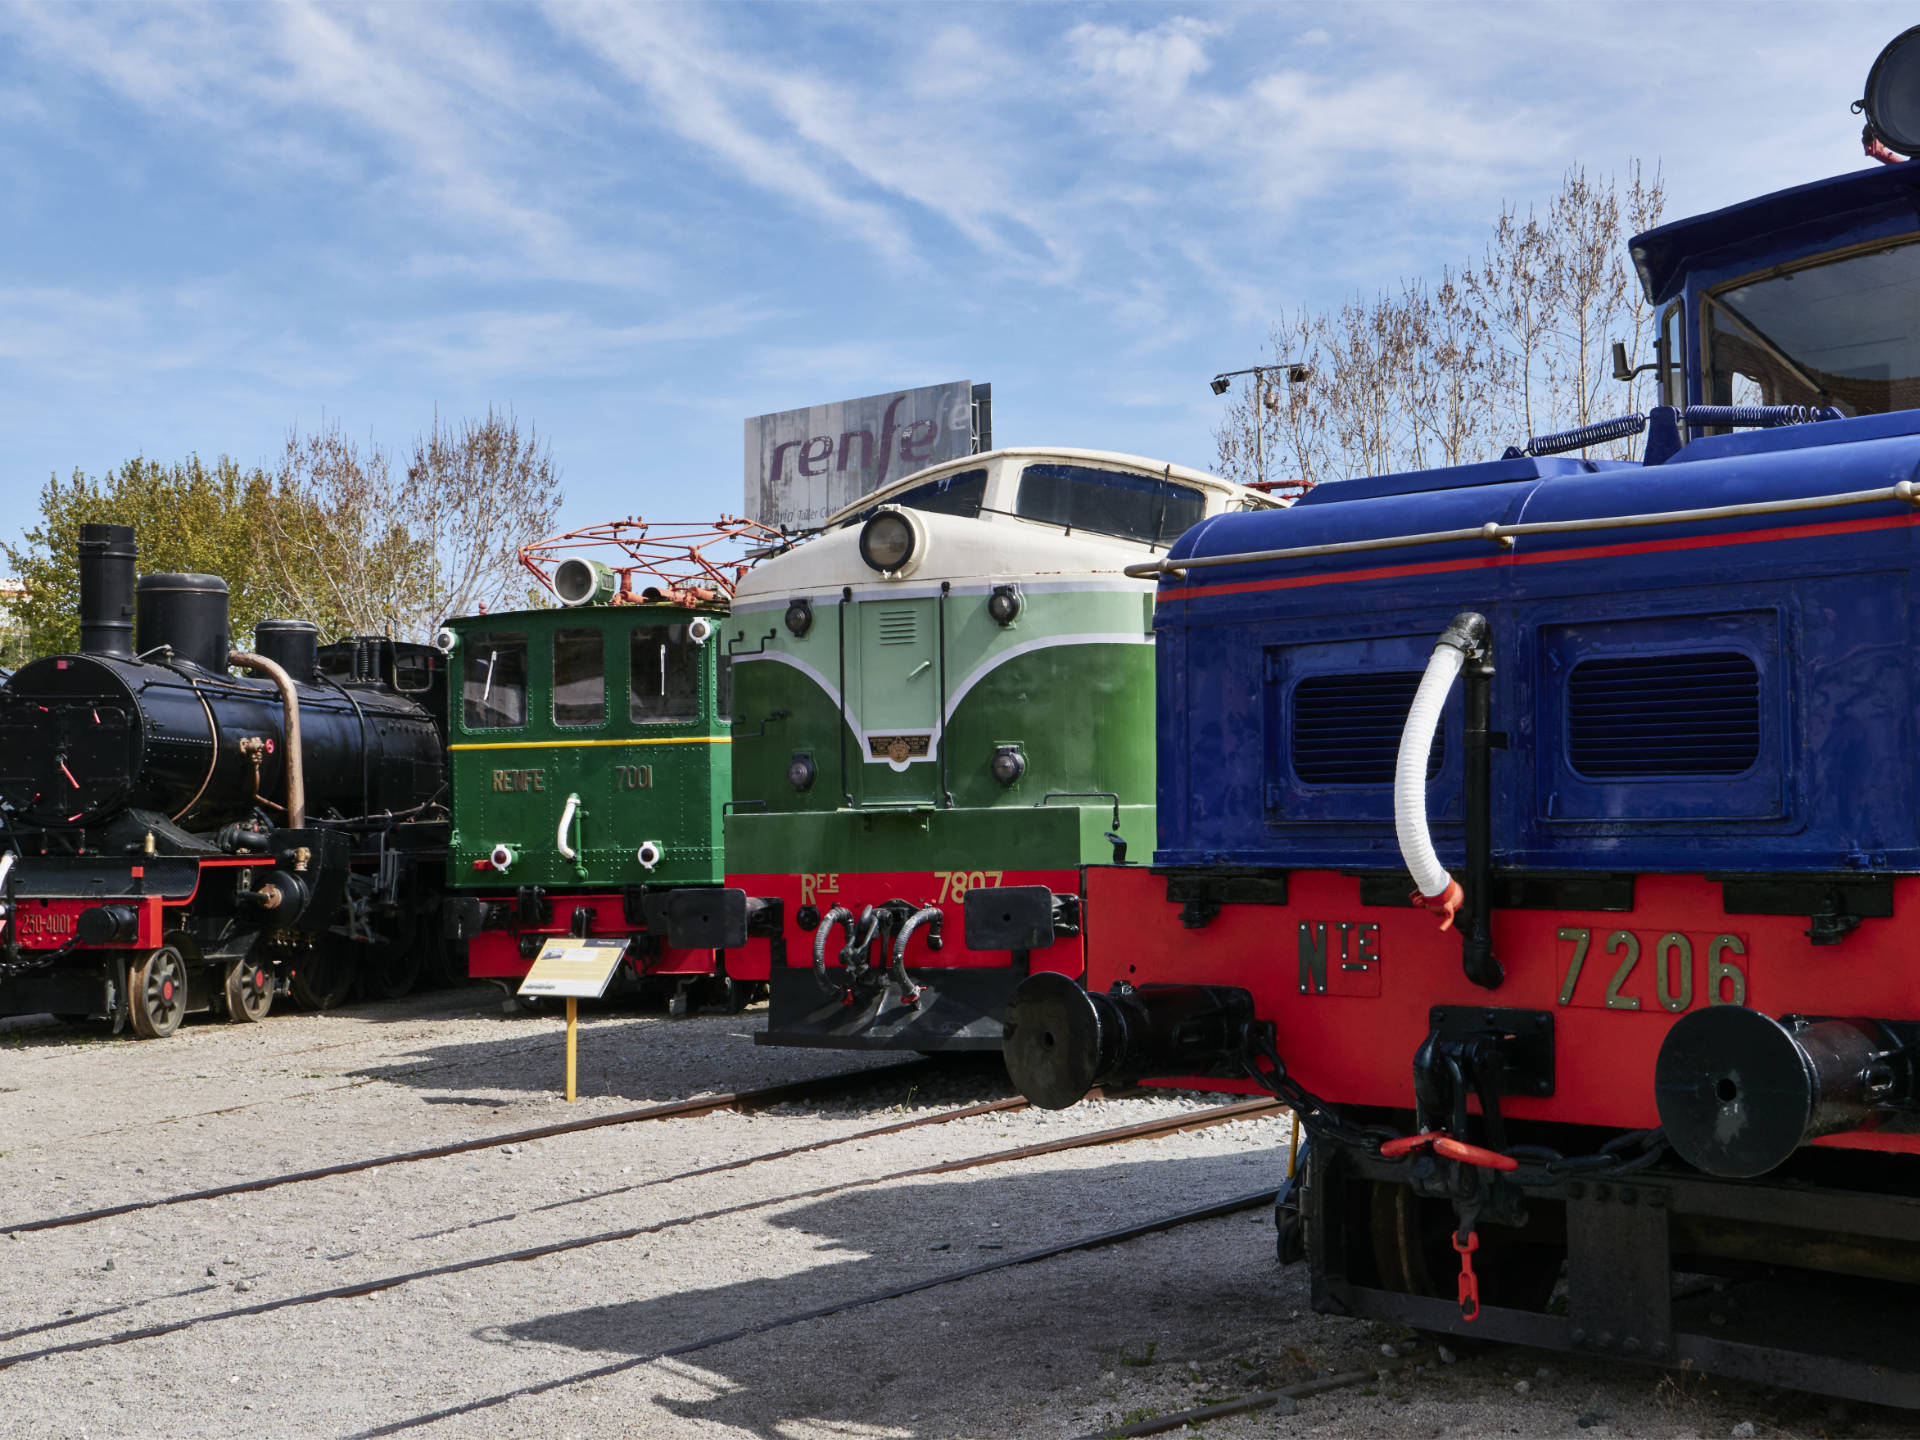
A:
(185, 838)
(1546, 831)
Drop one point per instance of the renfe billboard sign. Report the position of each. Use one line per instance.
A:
(802, 465)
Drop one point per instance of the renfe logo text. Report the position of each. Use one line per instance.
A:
(817, 452)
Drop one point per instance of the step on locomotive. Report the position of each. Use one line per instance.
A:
(944, 708)
(180, 838)
(1546, 831)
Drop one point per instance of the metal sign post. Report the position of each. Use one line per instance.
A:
(574, 967)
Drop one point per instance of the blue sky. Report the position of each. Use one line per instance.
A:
(637, 226)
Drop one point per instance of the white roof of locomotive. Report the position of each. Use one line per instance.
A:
(996, 546)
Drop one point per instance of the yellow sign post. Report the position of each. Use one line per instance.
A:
(574, 966)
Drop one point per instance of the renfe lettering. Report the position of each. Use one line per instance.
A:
(818, 451)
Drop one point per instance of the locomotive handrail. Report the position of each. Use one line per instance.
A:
(290, 703)
(1504, 535)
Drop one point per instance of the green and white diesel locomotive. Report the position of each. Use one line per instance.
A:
(944, 707)
(588, 755)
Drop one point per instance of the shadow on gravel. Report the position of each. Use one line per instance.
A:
(942, 1352)
(447, 1003)
(651, 1058)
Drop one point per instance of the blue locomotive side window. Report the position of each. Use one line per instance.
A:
(579, 678)
(664, 674)
(1656, 716)
(1109, 502)
(494, 683)
(1346, 728)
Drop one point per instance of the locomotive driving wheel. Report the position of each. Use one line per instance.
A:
(323, 976)
(157, 993)
(249, 991)
(391, 968)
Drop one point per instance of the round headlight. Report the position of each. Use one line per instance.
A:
(886, 541)
(800, 772)
(700, 630)
(580, 581)
(1892, 101)
(799, 618)
(1004, 604)
(1008, 764)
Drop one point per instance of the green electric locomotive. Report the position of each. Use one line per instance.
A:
(588, 755)
(944, 709)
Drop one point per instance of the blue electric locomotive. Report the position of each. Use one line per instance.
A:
(1661, 717)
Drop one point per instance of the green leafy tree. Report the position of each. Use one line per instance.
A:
(190, 516)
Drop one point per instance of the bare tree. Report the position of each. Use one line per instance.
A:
(369, 551)
(482, 489)
(1514, 345)
(336, 534)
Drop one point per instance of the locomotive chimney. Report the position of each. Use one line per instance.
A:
(106, 590)
(293, 645)
(186, 613)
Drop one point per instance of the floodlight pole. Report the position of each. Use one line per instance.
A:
(1296, 375)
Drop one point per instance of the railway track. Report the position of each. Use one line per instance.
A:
(1105, 1238)
(755, 1098)
(1151, 1129)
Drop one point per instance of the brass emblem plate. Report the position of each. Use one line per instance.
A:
(897, 748)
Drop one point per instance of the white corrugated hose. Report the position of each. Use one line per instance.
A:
(1410, 771)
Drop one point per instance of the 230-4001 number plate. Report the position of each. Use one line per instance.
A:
(1639, 970)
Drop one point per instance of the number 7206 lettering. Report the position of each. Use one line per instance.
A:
(1674, 962)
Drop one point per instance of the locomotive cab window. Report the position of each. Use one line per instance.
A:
(723, 687)
(664, 673)
(960, 494)
(1673, 382)
(1109, 502)
(494, 680)
(412, 669)
(1835, 332)
(579, 678)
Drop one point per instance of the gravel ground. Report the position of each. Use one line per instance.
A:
(1059, 1348)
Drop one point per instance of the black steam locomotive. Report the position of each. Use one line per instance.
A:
(179, 838)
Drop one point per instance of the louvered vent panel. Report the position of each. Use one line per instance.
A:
(1659, 715)
(898, 627)
(1346, 728)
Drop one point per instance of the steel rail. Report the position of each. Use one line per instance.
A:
(839, 1307)
(672, 1109)
(1496, 533)
(1145, 1130)
(1160, 1424)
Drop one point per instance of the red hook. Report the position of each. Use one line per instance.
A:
(1469, 1282)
